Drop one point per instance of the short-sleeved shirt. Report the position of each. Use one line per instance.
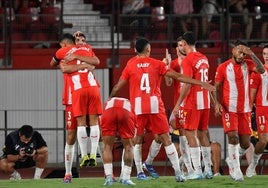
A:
(174, 65)
(144, 75)
(195, 65)
(66, 91)
(82, 78)
(13, 145)
(260, 83)
(118, 118)
(67, 81)
(235, 85)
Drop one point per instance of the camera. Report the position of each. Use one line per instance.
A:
(28, 150)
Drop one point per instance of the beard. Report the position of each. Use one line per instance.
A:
(238, 60)
(182, 53)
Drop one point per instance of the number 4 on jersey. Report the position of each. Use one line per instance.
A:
(145, 83)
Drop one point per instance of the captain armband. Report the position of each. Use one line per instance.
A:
(57, 60)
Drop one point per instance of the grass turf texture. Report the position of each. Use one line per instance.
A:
(163, 182)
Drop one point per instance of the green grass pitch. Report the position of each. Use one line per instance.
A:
(163, 182)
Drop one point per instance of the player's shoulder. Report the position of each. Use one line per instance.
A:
(248, 61)
(87, 47)
(225, 63)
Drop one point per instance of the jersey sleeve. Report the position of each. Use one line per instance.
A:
(9, 146)
(125, 72)
(219, 75)
(163, 68)
(173, 64)
(251, 65)
(40, 142)
(186, 67)
(254, 80)
(59, 54)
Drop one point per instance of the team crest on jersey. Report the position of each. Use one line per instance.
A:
(69, 123)
(261, 127)
(230, 68)
(228, 124)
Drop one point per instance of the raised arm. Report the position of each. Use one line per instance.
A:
(167, 61)
(259, 65)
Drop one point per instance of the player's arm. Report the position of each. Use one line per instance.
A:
(217, 94)
(168, 81)
(189, 80)
(54, 62)
(66, 68)
(117, 87)
(167, 60)
(83, 58)
(259, 68)
(183, 93)
(253, 93)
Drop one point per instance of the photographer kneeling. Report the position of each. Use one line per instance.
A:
(26, 148)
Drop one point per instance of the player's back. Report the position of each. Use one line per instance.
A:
(144, 75)
(196, 65)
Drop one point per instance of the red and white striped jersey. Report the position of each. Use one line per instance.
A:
(66, 91)
(118, 102)
(260, 82)
(82, 78)
(144, 75)
(176, 66)
(195, 65)
(235, 85)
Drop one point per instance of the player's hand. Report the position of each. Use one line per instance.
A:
(218, 109)
(208, 86)
(248, 51)
(167, 58)
(245, 49)
(176, 111)
(89, 67)
(69, 57)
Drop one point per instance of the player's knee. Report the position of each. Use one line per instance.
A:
(234, 139)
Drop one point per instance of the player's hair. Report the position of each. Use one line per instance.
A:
(189, 37)
(179, 39)
(79, 34)
(140, 44)
(240, 42)
(26, 130)
(68, 37)
(265, 46)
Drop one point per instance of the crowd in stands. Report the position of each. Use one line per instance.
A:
(39, 15)
(17, 5)
(248, 18)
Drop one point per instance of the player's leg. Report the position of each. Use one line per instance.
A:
(107, 157)
(153, 152)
